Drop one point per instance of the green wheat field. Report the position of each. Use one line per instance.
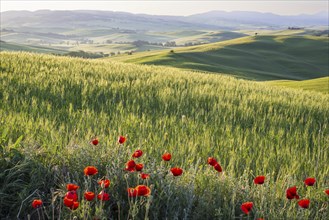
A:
(51, 107)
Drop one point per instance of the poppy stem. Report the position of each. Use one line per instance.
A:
(20, 209)
(52, 204)
(129, 198)
(84, 211)
(60, 210)
(43, 214)
(39, 217)
(118, 203)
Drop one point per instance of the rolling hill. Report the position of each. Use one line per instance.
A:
(319, 84)
(109, 40)
(69, 28)
(6, 46)
(254, 57)
(243, 19)
(52, 106)
(232, 101)
(60, 20)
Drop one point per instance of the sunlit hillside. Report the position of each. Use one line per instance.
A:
(254, 57)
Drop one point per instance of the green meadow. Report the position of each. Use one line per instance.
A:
(318, 84)
(51, 107)
(262, 57)
(5, 46)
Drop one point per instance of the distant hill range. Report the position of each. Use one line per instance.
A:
(61, 21)
(243, 19)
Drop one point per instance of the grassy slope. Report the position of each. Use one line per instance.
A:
(257, 58)
(322, 31)
(5, 46)
(108, 48)
(319, 84)
(57, 104)
(61, 49)
(207, 37)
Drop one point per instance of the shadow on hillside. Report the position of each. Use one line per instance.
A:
(266, 58)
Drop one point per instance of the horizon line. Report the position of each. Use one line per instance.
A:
(119, 11)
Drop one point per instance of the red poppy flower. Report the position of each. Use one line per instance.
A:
(218, 167)
(212, 161)
(130, 165)
(259, 180)
(132, 192)
(121, 139)
(246, 207)
(90, 170)
(143, 190)
(291, 193)
(326, 192)
(176, 171)
(74, 206)
(309, 181)
(72, 187)
(89, 196)
(166, 156)
(139, 167)
(68, 202)
(103, 196)
(104, 183)
(72, 195)
(137, 154)
(260, 219)
(37, 203)
(304, 203)
(144, 176)
(94, 141)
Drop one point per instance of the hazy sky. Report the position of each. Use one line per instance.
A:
(163, 7)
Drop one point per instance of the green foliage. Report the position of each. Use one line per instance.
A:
(59, 103)
(19, 177)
